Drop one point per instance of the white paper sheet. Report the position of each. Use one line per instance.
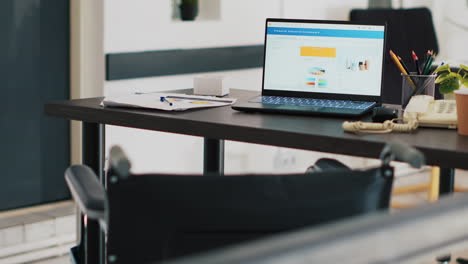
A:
(179, 102)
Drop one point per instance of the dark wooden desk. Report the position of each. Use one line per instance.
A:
(442, 147)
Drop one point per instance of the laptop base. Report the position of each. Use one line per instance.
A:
(247, 106)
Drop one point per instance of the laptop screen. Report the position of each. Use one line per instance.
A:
(323, 57)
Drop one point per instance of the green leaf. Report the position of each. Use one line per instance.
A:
(442, 77)
(449, 85)
(455, 75)
(463, 70)
(445, 67)
(465, 81)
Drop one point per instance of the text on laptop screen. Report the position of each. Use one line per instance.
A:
(324, 58)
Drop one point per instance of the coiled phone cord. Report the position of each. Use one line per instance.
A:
(380, 128)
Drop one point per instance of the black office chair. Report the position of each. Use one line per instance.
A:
(407, 29)
(154, 217)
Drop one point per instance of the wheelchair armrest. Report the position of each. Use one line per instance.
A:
(87, 192)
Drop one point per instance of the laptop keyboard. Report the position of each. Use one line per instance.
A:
(296, 101)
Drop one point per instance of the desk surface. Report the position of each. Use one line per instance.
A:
(442, 147)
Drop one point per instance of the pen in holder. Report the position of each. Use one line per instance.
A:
(423, 85)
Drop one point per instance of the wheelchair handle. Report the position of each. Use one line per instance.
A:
(401, 152)
(119, 162)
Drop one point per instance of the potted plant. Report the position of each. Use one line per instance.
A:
(451, 82)
(188, 9)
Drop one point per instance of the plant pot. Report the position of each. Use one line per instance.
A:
(461, 96)
(188, 12)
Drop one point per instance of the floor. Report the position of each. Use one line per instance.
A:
(405, 177)
(57, 260)
(39, 232)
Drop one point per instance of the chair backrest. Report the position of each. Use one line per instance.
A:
(158, 217)
(407, 29)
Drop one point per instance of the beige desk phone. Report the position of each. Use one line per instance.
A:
(431, 113)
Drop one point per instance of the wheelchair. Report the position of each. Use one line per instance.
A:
(150, 218)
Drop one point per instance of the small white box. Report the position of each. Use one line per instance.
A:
(211, 85)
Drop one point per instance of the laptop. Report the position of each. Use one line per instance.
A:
(320, 67)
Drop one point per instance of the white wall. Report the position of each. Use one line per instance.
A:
(328, 9)
(140, 25)
(452, 29)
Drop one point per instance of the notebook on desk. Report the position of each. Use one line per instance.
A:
(320, 67)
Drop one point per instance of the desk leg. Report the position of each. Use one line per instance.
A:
(213, 156)
(447, 181)
(93, 149)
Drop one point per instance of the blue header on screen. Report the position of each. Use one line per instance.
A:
(321, 32)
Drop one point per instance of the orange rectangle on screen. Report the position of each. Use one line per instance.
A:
(318, 52)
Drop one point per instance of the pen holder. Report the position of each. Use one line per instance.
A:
(414, 84)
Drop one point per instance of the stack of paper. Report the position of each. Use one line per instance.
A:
(166, 101)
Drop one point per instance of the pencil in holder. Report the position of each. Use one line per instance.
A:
(414, 84)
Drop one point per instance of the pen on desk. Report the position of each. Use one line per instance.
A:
(200, 99)
(163, 99)
(416, 62)
(402, 70)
